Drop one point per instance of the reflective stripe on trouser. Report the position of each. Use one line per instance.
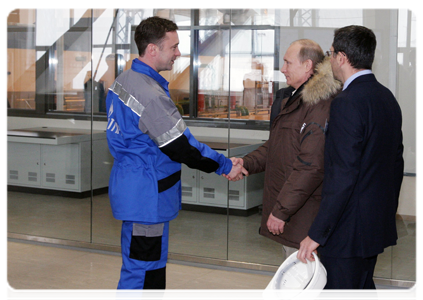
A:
(144, 255)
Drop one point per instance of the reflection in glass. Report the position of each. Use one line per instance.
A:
(212, 95)
(415, 27)
(182, 17)
(52, 216)
(21, 48)
(52, 24)
(199, 234)
(250, 55)
(337, 18)
(399, 262)
(406, 68)
(179, 76)
(237, 16)
(213, 17)
(404, 254)
(49, 162)
(49, 170)
(198, 230)
(74, 75)
(256, 69)
(105, 228)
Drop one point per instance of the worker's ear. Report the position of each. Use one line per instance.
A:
(152, 49)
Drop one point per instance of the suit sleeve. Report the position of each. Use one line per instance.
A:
(344, 143)
(399, 168)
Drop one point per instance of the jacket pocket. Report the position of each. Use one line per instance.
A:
(146, 242)
(288, 137)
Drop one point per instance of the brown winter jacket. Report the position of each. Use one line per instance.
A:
(292, 158)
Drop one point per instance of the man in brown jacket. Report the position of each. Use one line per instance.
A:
(292, 158)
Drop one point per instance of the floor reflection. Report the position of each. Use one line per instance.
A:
(49, 216)
(191, 233)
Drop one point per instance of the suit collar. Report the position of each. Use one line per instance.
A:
(355, 76)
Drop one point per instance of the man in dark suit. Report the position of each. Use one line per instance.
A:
(363, 168)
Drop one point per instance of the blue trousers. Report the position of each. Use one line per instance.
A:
(144, 255)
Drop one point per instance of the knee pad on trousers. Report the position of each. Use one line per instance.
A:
(144, 255)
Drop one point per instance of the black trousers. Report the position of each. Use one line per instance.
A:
(349, 273)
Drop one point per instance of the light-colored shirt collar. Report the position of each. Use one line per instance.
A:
(351, 78)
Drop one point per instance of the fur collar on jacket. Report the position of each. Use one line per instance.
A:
(322, 85)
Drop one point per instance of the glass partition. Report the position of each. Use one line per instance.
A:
(21, 48)
(404, 254)
(62, 62)
(198, 230)
(49, 162)
(252, 66)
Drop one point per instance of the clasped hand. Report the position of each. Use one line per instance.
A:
(238, 171)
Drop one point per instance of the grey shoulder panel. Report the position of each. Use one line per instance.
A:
(159, 117)
(127, 98)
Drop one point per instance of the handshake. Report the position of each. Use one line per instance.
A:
(238, 171)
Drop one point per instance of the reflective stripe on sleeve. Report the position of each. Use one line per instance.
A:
(127, 98)
(171, 135)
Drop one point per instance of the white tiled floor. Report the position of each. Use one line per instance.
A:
(39, 272)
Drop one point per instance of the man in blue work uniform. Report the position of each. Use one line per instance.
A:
(149, 140)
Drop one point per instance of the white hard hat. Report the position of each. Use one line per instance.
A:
(296, 275)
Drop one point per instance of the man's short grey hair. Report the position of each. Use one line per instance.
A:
(310, 50)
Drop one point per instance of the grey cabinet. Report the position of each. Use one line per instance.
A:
(200, 188)
(212, 190)
(24, 164)
(58, 160)
(61, 167)
(189, 183)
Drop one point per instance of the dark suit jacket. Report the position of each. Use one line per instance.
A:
(363, 172)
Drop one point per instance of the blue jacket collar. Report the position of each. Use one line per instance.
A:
(140, 67)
